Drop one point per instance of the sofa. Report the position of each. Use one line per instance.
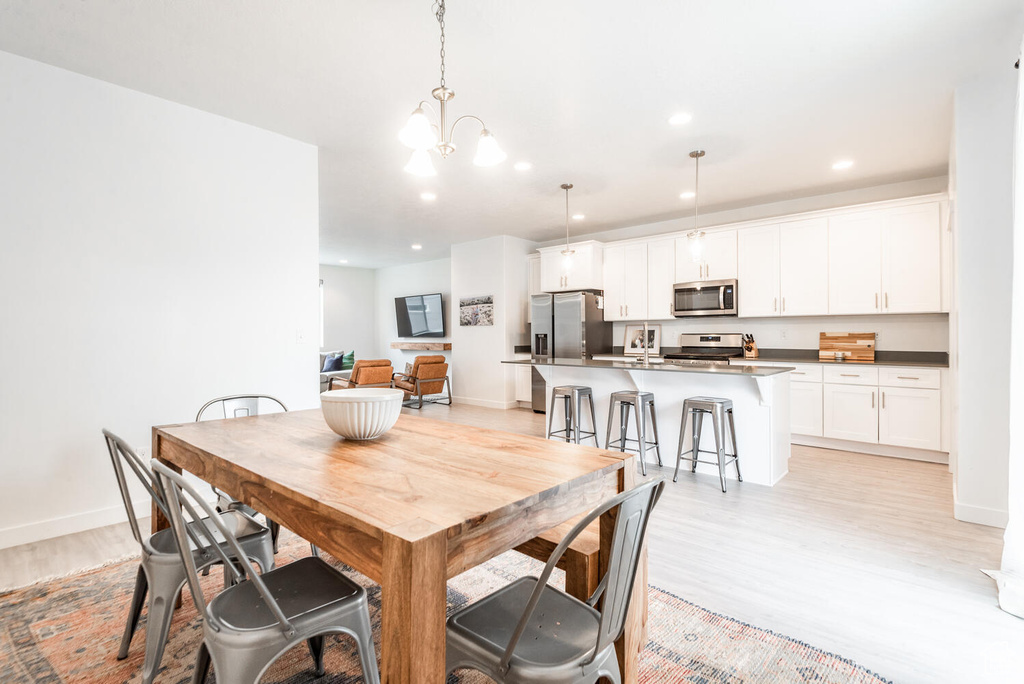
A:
(325, 378)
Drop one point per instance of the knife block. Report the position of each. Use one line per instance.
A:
(750, 350)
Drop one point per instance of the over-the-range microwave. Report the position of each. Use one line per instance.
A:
(704, 298)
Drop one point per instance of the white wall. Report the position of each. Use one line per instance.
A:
(426, 277)
(350, 311)
(154, 256)
(984, 126)
(492, 266)
(919, 332)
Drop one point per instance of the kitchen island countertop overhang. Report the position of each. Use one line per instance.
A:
(760, 396)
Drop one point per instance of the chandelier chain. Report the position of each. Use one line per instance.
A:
(439, 13)
(696, 189)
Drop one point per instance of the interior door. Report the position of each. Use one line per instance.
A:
(758, 271)
(855, 263)
(803, 268)
(911, 260)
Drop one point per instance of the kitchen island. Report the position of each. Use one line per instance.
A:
(760, 397)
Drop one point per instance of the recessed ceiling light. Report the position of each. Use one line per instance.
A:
(342, 261)
(689, 194)
(417, 246)
(680, 118)
(428, 196)
(842, 165)
(578, 217)
(522, 166)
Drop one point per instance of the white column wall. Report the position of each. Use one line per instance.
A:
(153, 257)
(984, 123)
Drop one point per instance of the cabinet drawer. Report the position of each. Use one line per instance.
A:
(805, 372)
(922, 378)
(851, 375)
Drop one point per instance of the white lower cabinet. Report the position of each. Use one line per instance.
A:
(805, 408)
(910, 417)
(850, 412)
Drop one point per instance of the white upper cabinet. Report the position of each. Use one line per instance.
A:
(886, 261)
(757, 251)
(911, 260)
(581, 271)
(533, 262)
(661, 274)
(855, 263)
(758, 271)
(803, 268)
(625, 282)
(718, 257)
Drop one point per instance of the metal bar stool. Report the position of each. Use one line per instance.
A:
(697, 407)
(572, 396)
(639, 402)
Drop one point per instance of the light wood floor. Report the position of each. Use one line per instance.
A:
(854, 554)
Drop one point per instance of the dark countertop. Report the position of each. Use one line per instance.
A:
(882, 358)
(750, 371)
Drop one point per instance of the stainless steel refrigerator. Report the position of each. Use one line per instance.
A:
(567, 325)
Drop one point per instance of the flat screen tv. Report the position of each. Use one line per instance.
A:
(420, 316)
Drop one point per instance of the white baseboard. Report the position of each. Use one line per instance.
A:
(69, 524)
(992, 517)
(486, 403)
(873, 449)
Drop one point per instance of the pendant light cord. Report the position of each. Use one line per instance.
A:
(696, 190)
(567, 219)
(439, 13)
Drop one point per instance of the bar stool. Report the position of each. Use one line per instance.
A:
(698, 407)
(572, 397)
(639, 402)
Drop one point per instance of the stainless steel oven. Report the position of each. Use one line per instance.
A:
(704, 298)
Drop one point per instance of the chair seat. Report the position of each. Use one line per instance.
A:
(561, 631)
(241, 525)
(303, 589)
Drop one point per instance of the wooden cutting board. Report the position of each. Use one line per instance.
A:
(857, 346)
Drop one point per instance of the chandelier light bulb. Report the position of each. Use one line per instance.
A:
(420, 164)
(488, 153)
(418, 134)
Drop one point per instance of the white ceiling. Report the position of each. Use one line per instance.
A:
(580, 88)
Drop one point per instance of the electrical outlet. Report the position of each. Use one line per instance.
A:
(783, 334)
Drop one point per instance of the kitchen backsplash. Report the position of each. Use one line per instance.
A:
(917, 332)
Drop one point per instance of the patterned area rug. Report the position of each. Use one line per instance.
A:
(69, 630)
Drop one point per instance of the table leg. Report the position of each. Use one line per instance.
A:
(634, 636)
(158, 521)
(413, 604)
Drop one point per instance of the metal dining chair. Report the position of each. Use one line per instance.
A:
(240, 406)
(252, 623)
(557, 638)
(161, 573)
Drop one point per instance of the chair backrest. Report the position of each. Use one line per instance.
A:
(120, 455)
(237, 406)
(429, 368)
(371, 372)
(189, 523)
(616, 587)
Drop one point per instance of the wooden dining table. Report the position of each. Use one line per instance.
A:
(421, 504)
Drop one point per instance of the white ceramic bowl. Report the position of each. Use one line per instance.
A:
(361, 413)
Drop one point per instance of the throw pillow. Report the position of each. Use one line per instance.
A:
(334, 363)
(408, 369)
(348, 361)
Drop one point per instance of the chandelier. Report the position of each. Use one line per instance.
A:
(421, 135)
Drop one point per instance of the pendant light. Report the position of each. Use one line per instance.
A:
(567, 252)
(421, 135)
(696, 236)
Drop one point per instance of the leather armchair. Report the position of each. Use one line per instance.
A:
(366, 373)
(429, 376)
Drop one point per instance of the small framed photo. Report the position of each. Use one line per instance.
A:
(635, 342)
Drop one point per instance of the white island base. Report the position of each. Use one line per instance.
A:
(760, 407)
